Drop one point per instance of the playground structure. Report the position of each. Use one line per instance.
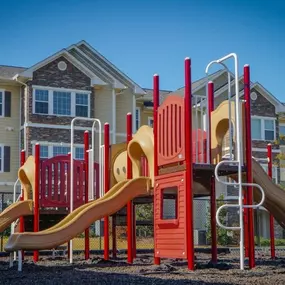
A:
(182, 163)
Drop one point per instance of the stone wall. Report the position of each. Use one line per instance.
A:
(49, 75)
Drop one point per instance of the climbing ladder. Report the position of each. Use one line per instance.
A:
(236, 160)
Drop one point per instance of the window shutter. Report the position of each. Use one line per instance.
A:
(7, 158)
(7, 108)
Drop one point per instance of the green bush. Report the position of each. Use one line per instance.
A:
(266, 242)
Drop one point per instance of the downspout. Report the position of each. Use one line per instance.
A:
(26, 104)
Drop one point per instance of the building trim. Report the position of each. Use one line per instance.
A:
(136, 87)
(7, 184)
(61, 89)
(265, 150)
(66, 127)
(28, 73)
(111, 80)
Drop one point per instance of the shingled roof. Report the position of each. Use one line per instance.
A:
(8, 72)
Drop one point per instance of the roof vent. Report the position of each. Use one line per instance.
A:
(62, 65)
(253, 96)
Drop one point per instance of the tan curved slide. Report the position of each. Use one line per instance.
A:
(15, 211)
(81, 218)
(142, 144)
(274, 195)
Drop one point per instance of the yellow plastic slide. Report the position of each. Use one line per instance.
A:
(274, 196)
(21, 208)
(81, 218)
(15, 211)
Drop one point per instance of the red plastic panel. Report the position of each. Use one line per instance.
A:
(171, 131)
(55, 182)
(170, 235)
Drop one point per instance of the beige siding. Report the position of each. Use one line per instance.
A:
(120, 138)
(11, 137)
(145, 115)
(103, 106)
(124, 104)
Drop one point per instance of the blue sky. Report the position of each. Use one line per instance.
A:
(152, 36)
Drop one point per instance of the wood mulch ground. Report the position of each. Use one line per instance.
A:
(117, 271)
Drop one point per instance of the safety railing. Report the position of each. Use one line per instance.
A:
(200, 128)
(94, 123)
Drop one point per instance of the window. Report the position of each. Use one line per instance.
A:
(150, 121)
(81, 108)
(1, 159)
(79, 153)
(263, 129)
(269, 130)
(44, 151)
(169, 203)
(66, 102)
(256, 129)
(60, 150)
(5, 158)
(48, 151)
(41, 101)
(282, 130)
(1, 103)
(61, 103)
(138, 118)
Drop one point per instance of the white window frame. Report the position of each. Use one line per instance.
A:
(88, 103)
(51, 145)
(149, 119)
(3, 103)
(34, 102)
(280, 125)
(2, 158)
(262, 119)
(138, 119)
(50, 100)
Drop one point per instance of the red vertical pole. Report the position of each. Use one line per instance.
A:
(189, 164)
(68, 243)
(130, 203)
(271, 219)
(134, 232)
(249, 196)
(155, 156)
(36, 195)
(114, 235)
(86, 160)
(106, 186)
(213, 186)
(22, 221)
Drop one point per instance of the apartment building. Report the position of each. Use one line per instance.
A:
(38, 103)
